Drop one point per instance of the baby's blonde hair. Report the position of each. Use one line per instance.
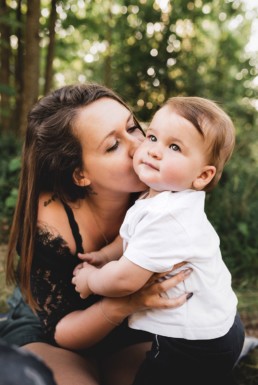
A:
(214, 125)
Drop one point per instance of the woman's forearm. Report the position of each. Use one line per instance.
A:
(84, 328)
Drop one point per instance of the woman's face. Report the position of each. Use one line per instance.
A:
(109, 136)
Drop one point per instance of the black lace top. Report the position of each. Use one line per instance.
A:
(51, 276)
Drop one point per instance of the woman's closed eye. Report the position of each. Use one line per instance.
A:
(113, 147)
(136, 131)
(133, 128)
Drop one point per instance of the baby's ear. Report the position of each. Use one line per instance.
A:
(80, 178)
(207, 174)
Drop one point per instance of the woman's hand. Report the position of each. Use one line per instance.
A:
(153, 295)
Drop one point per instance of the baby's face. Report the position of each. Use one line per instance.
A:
(173, 154)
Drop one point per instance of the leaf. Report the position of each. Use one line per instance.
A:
(15, 164)
(243, 228)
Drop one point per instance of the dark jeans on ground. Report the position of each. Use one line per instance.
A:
(21, 367)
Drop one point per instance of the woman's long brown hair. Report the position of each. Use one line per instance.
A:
(51, 153)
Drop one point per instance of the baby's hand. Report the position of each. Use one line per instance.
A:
(80, 279)
(95, 258)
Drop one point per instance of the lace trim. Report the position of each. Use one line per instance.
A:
(51, 277)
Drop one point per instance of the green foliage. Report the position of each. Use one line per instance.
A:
(6, 89)
(9, 176)
(233, 210)
(148, 51)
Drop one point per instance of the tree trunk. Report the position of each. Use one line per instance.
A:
(31, 62)
(51, 48)
(5, 49)
(18, 67)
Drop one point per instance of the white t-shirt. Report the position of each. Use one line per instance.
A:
(169, 228)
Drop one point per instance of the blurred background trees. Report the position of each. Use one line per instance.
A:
(147, 51)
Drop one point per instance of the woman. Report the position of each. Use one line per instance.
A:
(77, 182)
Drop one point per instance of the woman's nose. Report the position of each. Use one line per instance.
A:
(134, 143)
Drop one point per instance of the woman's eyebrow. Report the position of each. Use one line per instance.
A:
(111, 133)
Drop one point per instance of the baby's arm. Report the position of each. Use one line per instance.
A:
(111, 252)
(115, 279)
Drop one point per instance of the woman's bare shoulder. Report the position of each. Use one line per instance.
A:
(52, 216)
(50, 209)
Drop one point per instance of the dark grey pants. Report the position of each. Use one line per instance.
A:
(177, 361)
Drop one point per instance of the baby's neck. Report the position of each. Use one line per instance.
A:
(152, 193)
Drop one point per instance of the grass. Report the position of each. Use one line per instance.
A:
(246, 371)
(4, 290)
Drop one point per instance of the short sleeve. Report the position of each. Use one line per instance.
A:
(158, 242)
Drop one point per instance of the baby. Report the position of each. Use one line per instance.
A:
(183, 155)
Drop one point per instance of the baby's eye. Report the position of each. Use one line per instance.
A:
(114, 147)
(174, 147)
(152, 138)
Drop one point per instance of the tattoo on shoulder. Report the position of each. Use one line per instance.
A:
(53, 198)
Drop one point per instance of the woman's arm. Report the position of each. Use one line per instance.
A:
(82, 329)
